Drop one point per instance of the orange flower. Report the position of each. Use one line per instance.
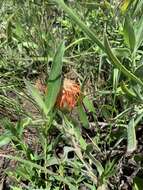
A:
(68, 95)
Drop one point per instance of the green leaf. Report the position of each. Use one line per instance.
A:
(129, 33)
(9, 28)
(118, 64)
(83, 116)
(138, 183)
(54, 81)
(98, 165)
(88, 104)
(36, 96)
(121, 52)
(131, 137)
(115, 78)
(4, 139)
(125, 5)
(139, 33)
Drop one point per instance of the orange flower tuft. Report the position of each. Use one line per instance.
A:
(68, 95)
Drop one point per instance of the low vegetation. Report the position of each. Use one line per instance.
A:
(71, 94)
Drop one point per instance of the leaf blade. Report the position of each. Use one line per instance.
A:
(54, 81)
(131, 137)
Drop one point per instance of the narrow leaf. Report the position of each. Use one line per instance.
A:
(139, 33)
(129, 33)
(89, 104)
(83, 116)
(125, 5)
(98, 165)
(54, 81)
(131, 137)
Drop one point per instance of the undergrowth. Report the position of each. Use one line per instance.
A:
(53, 140)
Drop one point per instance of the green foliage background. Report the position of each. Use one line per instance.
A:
(101, 47)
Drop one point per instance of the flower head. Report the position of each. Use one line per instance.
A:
(68, 95)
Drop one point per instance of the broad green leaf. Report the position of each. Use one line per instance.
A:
(118, 64)
(4, 139)
(36, 96)
(131, 137)
(129, 33)
(54, 81)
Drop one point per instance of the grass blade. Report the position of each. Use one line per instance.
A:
(129, 33)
